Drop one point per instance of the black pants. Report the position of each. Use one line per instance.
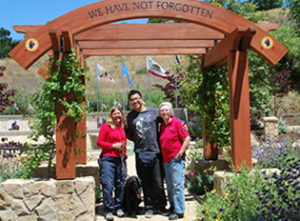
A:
(152, 183)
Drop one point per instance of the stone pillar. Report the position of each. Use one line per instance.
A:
(270, 127)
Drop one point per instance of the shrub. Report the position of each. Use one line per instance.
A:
(200, 183)
(23, 100)
(280, 194)
(282, 126)
(196, 153)
(269, 153)
(5, 93)
(141, 71)
(8, 166)
(272, 153)
(239, 203)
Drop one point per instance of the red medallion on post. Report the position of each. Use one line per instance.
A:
(267, 43)
(32, 45)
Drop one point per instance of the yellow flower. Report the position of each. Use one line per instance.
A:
(218, 218)
(213, 191)
(225, 196)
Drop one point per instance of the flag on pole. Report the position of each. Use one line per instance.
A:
(16, 108)
(125, 73)
(155, 68)
(176, 60)
(102, 74)
(30, 107)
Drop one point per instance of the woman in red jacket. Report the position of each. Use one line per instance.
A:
(174, 140)
(112, 162)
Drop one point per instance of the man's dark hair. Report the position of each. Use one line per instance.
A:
(132, 92)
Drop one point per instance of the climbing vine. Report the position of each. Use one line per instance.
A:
(65, 87)
(206, 92)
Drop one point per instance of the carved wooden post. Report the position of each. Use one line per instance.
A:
(80, 146)
(65, 134)
(66, 126)
(239, 109)
(210, 148)
(81, 133)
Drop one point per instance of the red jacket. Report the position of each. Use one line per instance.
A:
(171, 138)
(107, 137)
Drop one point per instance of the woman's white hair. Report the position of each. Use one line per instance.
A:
(169, 105)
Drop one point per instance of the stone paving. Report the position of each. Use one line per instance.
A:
(190, 202)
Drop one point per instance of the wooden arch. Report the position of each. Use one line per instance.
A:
(217, 34)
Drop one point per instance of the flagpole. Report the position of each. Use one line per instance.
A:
(147, 84)
(97, 88)
(123, 88)
(176, 99)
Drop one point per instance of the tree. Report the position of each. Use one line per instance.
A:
(163, 20)
(266, 4)
(294, 6)
(245, 9)
(169, 89)
(289, 37)
(4, 93)
(6, 43)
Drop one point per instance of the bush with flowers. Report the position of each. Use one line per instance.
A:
(236, 204)
(200, 183)
(280, 193)
(271, 153)
(258, 195)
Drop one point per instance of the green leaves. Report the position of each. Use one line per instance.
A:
(206, 92)
(65, 86)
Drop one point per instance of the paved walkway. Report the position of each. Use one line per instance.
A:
(190, 202)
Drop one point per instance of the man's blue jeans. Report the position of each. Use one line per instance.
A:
(112, 177)
(174, 171)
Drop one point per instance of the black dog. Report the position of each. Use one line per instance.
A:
(132, 196)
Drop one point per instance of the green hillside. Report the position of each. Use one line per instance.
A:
(30, 81)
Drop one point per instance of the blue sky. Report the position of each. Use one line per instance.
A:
(35, 12)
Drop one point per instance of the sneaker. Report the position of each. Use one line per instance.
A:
(149, 213)
(120, 213)
(109, 216)
(175, 216)
(163, 212)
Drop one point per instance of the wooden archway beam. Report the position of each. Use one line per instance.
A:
(243, 46)
(108, 11)
(27, 29)
(138, 31)
(67, 40)
(54, 39)
(150, 31)
(245, 43)
(220, 52)
(127, 44)
(143, 51)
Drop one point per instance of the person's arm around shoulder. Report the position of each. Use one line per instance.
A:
(128, 128)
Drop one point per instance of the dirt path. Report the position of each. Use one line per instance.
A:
(190, 202)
